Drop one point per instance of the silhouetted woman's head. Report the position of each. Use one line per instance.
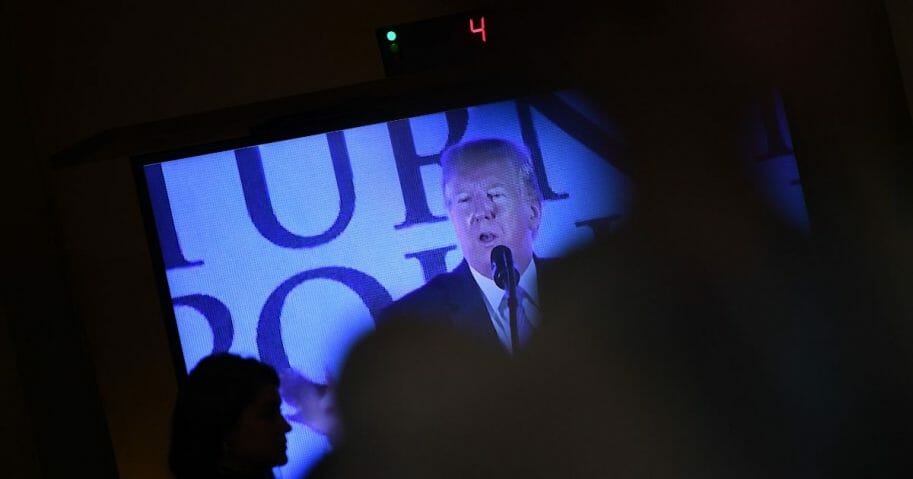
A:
(227, 420)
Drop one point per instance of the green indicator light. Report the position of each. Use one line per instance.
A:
(391, 35)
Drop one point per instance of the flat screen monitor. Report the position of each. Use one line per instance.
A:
(288, 250)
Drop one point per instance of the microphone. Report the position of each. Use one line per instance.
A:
(502, 267)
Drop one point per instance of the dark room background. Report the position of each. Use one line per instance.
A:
(86, 376)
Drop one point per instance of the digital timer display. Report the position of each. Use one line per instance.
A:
(480, 29)
(429, 44)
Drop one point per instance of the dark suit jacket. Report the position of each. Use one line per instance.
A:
(455, 299)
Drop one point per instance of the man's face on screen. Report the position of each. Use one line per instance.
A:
(489, 205)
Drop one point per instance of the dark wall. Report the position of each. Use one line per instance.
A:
(91, 380)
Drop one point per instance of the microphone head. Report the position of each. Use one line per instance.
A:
(502, 266)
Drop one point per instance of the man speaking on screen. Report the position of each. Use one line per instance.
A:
(493, 199)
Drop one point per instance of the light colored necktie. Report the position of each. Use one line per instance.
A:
(524, 328)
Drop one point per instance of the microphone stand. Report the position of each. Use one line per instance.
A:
(506, 277)
(513, 278)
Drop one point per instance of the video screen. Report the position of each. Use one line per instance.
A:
(290, 251)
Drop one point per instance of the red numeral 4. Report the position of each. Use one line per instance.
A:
(480, 29)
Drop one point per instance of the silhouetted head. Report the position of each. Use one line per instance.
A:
(420, 399)
(227, 418)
